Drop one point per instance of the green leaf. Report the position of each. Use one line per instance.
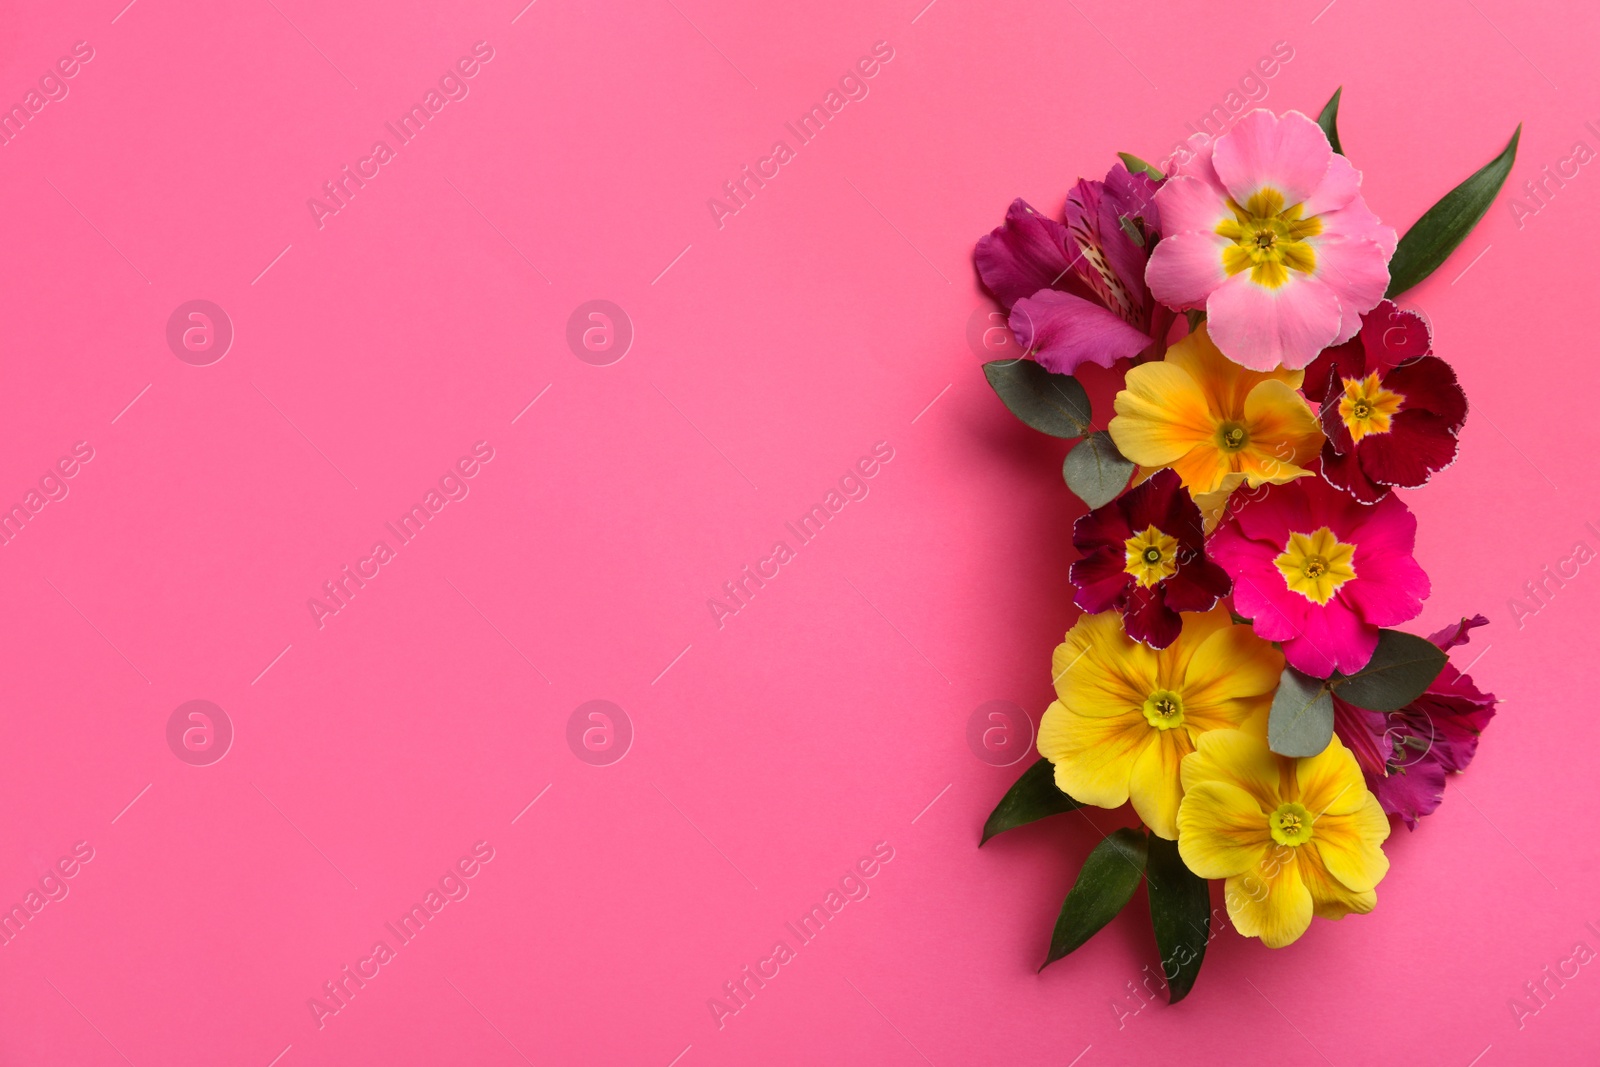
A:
(1131, 228)
(1301, 720)
(1446, 224)
(1401, 669)
(1051, 403)
(1033, 797)
(1135, 165)
(1329, 120)
(1104, 886)
(1180, 912)
(1095, 470)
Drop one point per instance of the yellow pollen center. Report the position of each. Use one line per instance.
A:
(1231, 437)
(1367, 407)
(1269, 238)
(1291, 824)
(1315, 565)
(1150, 557)
(1163, 710)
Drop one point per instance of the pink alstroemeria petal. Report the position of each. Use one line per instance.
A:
(1062, 331)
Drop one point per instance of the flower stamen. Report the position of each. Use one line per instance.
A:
(1315, 565)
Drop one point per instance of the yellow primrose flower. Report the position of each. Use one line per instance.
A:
(1126, 714)
(1293, 837)
(1214, 422)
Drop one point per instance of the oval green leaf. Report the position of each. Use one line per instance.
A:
(1301, 720)
(1050, 403)
(1329, 120)
(1095, 470)
(1446, 224)
(1136, 165)
(1180, 912)
(1401, 669)
(1104, 887)
(1033, 797)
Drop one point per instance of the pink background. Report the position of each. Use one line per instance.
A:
(771, 754)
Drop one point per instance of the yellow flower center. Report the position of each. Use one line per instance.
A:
(1232, 436)
(1163, 709)
(1151, 556)
(1268, 239)
(1315, 565)
(1367, 407)
(1291, 824)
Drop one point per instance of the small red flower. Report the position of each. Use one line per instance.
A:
(1144, 555)
(1391, 409)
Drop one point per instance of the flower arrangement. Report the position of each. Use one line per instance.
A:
(1235, 674)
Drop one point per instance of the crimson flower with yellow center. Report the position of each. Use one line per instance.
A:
(1391, 409)
(1144, 555)
(1293, 837)
(1126, 715)
(1216, 423)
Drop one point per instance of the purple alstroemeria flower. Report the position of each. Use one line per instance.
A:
(1144, 555)
(1406, 754)
(1076, 292)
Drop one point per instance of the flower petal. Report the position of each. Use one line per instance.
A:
(1290, 154)
(1062, 331)
(1186, 268)
(1357, 270)
(1284, 434)
(1240, 759)
(1330, 783)
(1222, 830)
(1156, 787)
(1330, 898)
(1277, 909)
(1262, 328)
(1231, 677)
(1026, 254)
(1099, 672)
(1190, 204)
(1161, 415)
(1349, 845)
(1339, 186)
(1429, 384)
(1094, 757)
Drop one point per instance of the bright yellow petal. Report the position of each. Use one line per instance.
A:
(1330, 783)
(1275, 908)
(1240, 759)
(1283, 434)
(1222, 830)
(1100, 670)
(1173, 661)
(1231, 676)
(1350, 846)
(1331, 898)
(1093, 757)
(1225, 383)
(1156, 786)
(1161, 414)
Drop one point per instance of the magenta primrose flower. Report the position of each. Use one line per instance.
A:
(1143, 554)
(1266, 229)
(1319, 572)
(1406, 754)
(1076, 292)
